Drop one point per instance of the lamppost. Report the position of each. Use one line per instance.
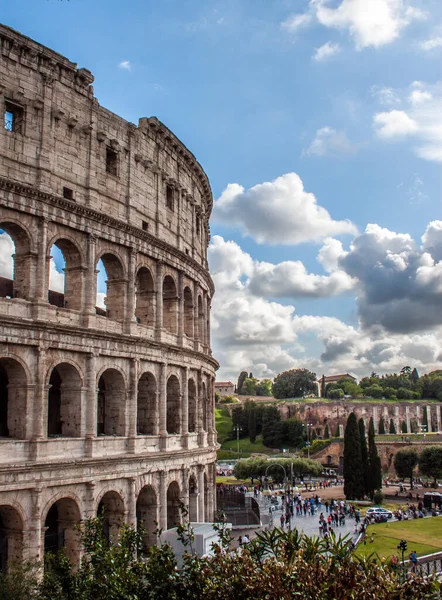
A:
(307, 445)
(237, 428)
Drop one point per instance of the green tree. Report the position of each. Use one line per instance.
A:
(414, 376)
(335, 393)
(326, 432)
(392, 426)
(405, 462)
(272, 427)
(294, 432)
(252, 424)
(430, 463)
(364, 456)
(390, 392)
(323, 386)
(264, 387)
(249, 386)
(337, 430)
(295, 383)
(374, 391)
(404, 428)
(242, 376)
(381, 426)
(240, 419)
(403, 393)
(425, 419)
(375, 469)
(353, 468)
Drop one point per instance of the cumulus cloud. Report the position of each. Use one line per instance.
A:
(431, 43)
(125, 65)
(295, 22)
(421, 121)
(328, 141)
(385, 95)
(7, 249)
(373, 23)
(278, 212)
(326, 51)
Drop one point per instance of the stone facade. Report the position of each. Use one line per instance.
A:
(110, 409)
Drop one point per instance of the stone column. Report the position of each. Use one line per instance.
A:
(208, 322)
(39, 411)
(407, 417)
(91, 408)
(430, 424)
(375, 419)
(36, 531)
(210, 494)
(159, 301)
(157, 413)
(195, 316)
(162, 409)
(131, 423)
(162, 490)
(185, 404)
(201, 515)
(130, 314)
(438, 411)
(42, 275)
(185, 488)
(131, 502)
(89, 505)
(180, 308)
(90, 289)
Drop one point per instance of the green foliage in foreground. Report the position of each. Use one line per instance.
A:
(277, 565)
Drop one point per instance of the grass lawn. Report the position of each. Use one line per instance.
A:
(246, 446)
(422, 535)
(223, 423)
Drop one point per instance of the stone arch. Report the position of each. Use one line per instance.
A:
(200, 321)
(173, 403)
(145, 297)
(204, 406)
(115, 300)
(193, 499)
(64, 401)
(111, 403)
(170, 304)
(111, 508)
(147, 405)
(188, 312)
(19, 286)
(173, 505)
(11, 536)
(13, 398)
(193, 406)
(60, 528)
(71, 296)
(147, 514)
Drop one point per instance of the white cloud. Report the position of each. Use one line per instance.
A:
(385, 95)
(328, 141)
(326, 51)
(7, 249)
(277, 212)
(100, 300)
(56, 278)
(370, 23)
(431, 43)
(295, 22)
(393, 124)
(419, 96)
(125, 65)
(330, 254)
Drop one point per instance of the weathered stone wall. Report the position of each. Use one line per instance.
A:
(111, 409)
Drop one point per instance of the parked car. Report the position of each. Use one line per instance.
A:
(379, 514)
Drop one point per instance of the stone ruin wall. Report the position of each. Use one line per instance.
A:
(100, 409)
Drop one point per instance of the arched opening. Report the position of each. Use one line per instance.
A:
(170, 305)
(146, 405)
(173, 505)
(115, 299)
(13, 391)
(15, 249)
(64, 402)
(65, 275)
(111, 509)
(200, 327)
(147, 518)
(11, 536)
(193, 500)
(188, 312)
(173, 414)
(145, 298)
(111, 402)
(204, 406)
(192, 402)
(61, 529)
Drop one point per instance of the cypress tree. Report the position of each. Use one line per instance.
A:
(252, 423)
(381, 426)
(392, 426)
(326, 432)
(364, 455)
(425, 420)
(353, 468)
(241, 378)
(404, 428)
(375, 470)
(337, 431)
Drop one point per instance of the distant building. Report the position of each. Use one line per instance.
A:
(224, 388)
(325, 380)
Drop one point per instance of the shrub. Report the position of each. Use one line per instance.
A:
(378, 497)
(229, 400)
(403, 394)
(335, 393)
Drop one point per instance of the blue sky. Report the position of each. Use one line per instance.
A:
(337, 106)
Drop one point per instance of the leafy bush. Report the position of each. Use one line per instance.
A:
(335, 393)
(378, 497)
(229, 400)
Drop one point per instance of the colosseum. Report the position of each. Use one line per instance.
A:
(102, 408)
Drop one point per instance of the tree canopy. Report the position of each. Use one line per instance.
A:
(430, 462)
(353, 467)
(295, 383)
(405, 462)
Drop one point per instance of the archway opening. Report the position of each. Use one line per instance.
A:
(65, 276)
(145, 297)
(193, 500)
(147, 509)
(64, 402)
(192, 405)
(204, 406)
(173, 505)
(111, 402)
(146, 405)
(111, 509)
(11, 537)
(170, 305)
(173, 414)
(15, 249)
(200, 327)
(115, 298)
(61, 529)
(13, 391)
(188, 312)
